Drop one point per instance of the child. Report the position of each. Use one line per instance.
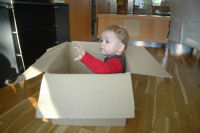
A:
(114, 40)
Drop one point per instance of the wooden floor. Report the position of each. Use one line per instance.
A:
(162, 105)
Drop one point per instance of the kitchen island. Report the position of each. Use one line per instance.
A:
(149, 28)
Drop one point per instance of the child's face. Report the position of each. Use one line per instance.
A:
(109, 43)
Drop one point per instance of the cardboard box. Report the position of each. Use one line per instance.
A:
(71, 94)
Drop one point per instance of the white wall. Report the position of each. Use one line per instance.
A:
(185, 22)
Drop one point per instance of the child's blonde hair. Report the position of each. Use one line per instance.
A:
(121, 33)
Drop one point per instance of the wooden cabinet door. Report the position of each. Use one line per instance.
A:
(80, 20)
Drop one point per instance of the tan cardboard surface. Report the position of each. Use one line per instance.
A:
(86, 96)
(90, 122)
(140, 61)
(42, 63)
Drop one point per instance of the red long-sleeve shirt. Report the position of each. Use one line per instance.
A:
(112, 65)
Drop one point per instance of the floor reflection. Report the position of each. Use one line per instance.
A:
(172, 47)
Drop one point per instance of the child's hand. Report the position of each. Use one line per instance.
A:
(80, 50)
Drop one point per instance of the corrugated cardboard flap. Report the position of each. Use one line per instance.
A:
(86, 96)
(43, 63)
(140, 61)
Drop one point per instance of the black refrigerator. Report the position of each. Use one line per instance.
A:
(27, 29)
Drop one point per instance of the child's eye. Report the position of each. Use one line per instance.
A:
(107, 41)
(101, 40)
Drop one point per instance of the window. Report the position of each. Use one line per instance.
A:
(141, 3)
(156, 2)
(144, 3)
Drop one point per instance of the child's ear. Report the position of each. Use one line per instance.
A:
(121, 48)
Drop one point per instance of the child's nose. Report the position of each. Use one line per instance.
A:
(102, 44)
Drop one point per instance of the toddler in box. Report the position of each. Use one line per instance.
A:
(114, 40)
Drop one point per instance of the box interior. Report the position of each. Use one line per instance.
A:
(64, 62)
(138, 61)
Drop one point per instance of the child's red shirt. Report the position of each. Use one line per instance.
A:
(114, 64)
